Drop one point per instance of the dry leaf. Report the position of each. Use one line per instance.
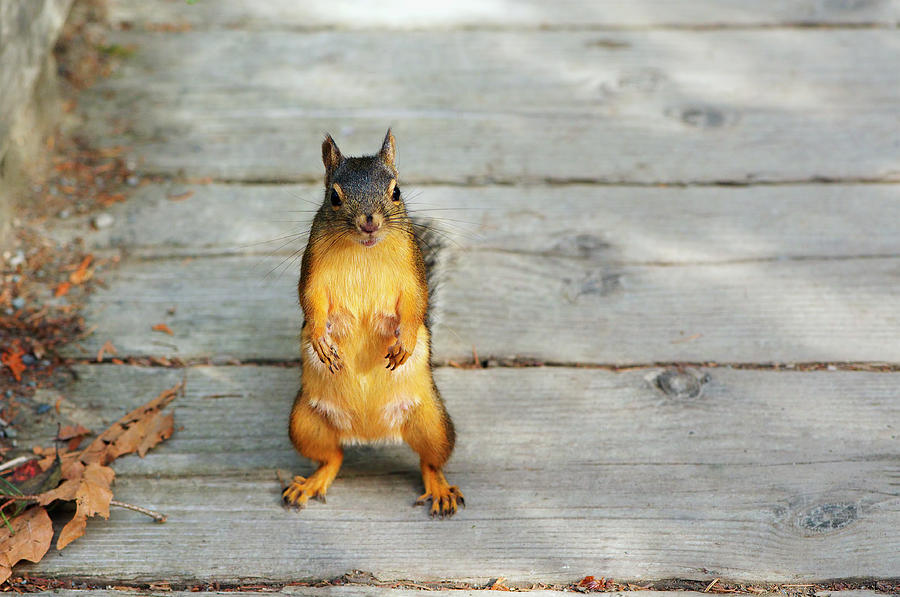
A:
(106, 348)
(71, 431)
(161, 428)
(161, 327)
(92, 496)
(62, 289)
(82, 274)
(13, 360)
(86, 476)
(31, 539)
(180, 196)
(106, 447)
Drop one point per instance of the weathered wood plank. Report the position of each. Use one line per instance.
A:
(734, 407)
(558, 309)
(364, 590)
(403, 14)
(624, 107)
(603, 224)
(761, 476)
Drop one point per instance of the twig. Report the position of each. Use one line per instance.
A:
(23, 497)
(710, 585)
(15, 462)
(156, 516)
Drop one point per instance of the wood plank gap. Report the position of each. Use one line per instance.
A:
(485, 181)
(353, 581)
(562, 28)
(153, 254)
(491, 362)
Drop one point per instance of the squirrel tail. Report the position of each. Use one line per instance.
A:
(432, 245)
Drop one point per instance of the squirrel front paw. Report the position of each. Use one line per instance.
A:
(398, 352)
(327, 352)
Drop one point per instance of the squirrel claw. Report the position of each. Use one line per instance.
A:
(396, 356)
(327, 353)
(445, 503)
(300, 490)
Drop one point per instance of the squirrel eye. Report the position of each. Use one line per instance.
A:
(396, 193)
(335, 198)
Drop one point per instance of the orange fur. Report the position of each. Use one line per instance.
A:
(365, 354)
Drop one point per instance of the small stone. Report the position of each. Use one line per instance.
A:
(132, 181)
(16, 278)
(42, 408)
(18, 302)
(32, 384)
(10, 432)
(64, 214)
(28, 359)
(8, 393)
(103, 220)
(17, 259)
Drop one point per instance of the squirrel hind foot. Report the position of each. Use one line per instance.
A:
(445, 498)
(302, 489)
(444, 502)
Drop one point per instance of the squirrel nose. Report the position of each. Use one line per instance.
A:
(369, 225)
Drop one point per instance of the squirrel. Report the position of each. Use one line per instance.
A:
(365, 345)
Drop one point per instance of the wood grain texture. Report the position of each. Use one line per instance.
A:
(404, 14)
(556, 309)
(676, 107)
(567, 472)
(612, 225)
(366, 590)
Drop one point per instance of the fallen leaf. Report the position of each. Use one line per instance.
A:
(106, 348)
(180, 196)
(62, 289)
(113, 443)
(43, 480)
(161, 428)
(30, 540)
(106, 199)
(82, 274)
(70, 431)
(26, 471)
(92, 498)
(161, 327)
(13, 360)
(85, 476)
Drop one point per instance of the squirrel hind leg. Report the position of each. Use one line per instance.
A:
(429, 431)
(317, 440)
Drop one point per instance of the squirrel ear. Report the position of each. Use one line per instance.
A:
(331, 155)
(388, 149)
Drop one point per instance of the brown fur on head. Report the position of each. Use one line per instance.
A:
(362, 196)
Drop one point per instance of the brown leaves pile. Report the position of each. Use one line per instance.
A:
(83, 476)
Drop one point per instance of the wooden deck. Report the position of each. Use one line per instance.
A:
(704, 194)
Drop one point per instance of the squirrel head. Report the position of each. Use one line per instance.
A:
(362, 195)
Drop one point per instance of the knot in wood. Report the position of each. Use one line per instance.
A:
(824, 518)
(680, 384)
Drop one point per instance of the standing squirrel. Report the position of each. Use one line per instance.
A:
(365, 345)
